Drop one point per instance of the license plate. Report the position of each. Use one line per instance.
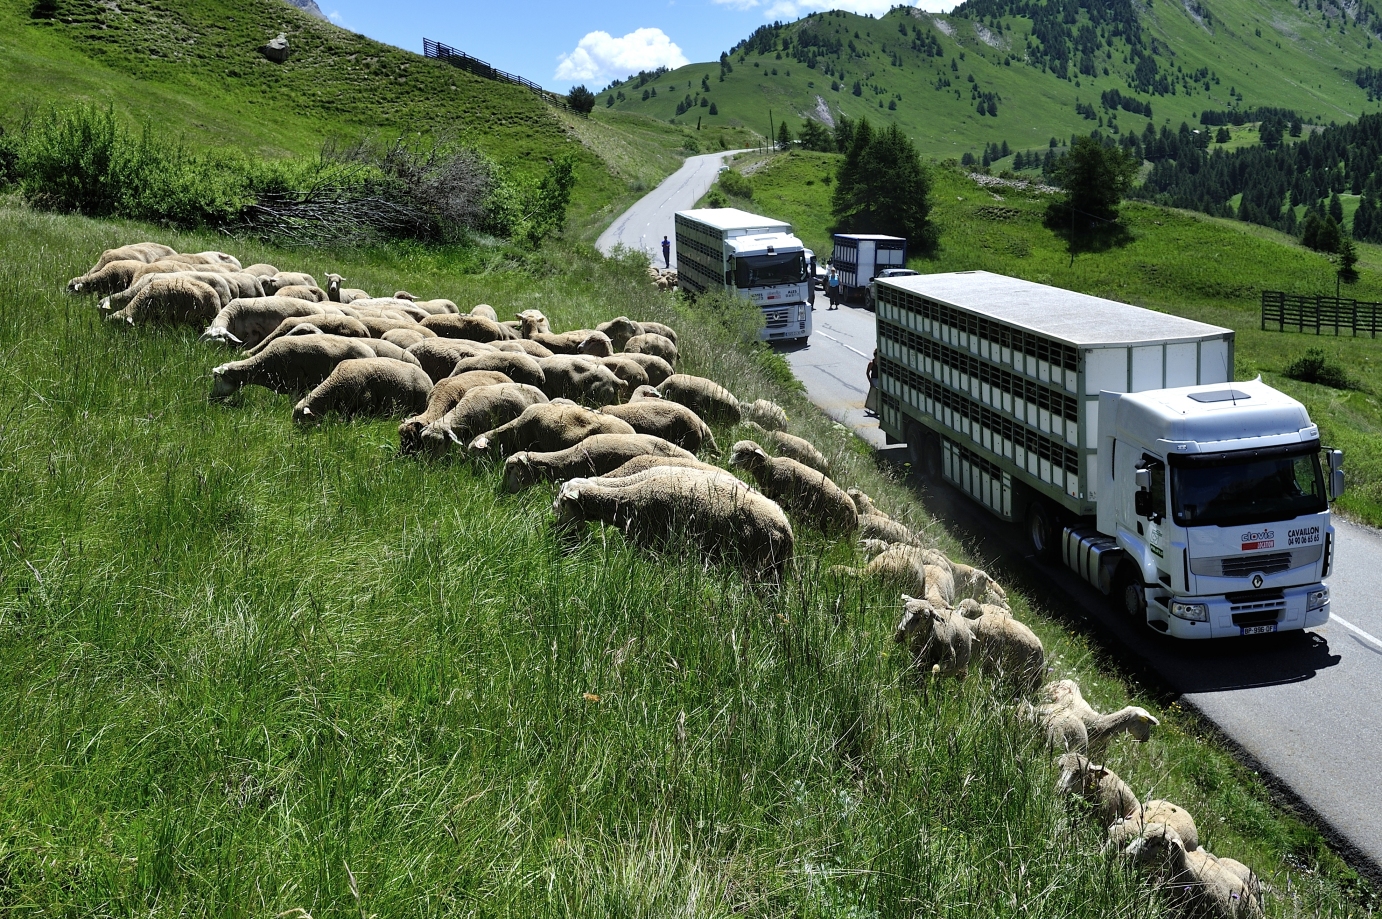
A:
(1259, 629)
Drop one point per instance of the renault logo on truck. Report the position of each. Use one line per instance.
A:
(1258, 539)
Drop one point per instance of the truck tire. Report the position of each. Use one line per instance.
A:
(868, 301)
(1129, 594)
(1043, 531)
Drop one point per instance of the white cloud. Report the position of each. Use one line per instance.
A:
(791, 9)
(336, 17)
(600, 54)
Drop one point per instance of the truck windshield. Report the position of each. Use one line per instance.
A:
(1251, 487)
(767, 270)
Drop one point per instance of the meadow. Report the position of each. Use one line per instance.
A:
(254, 669)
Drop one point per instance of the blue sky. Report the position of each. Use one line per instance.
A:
(560, 44)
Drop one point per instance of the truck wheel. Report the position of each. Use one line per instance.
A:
(1043, 533)
(1129, 595)
(868, 301)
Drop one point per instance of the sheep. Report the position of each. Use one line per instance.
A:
(937, 638)
(706, 398)
(345, 326)
(902, 567)
(380, 325)
(885, 529)
(657, 328)
(864, 504)
(546, 428)
(581, 379)
(261, 270)
(210, 257)
(1150, 814)
(721, 516)
(644, 393)
(439, 356)
(1206, 885)
(388, 308)
(485, 310)
(246, 321)
(802, 490)
(404, 295)
(520, 368)
(302, 292)
(228, 285)
(291, 365)
(338, 294)
(594, 456)
(375, 386)
(768, 415)
(120, 274)
(393, 352)
(404, 338)
(134, 252)
(639, 463)
(470, 328)
(1010, 650)
(631, 372)
(288, 279)
(620, 330)
(1072, 724)
(1099, 786)
(445, 396)
(442, 307)
(523, 346)
(581, 341)
(652, 343)
(669, 420)
(534, 319)
(176, 301)
(655, 367)
(792, 447)
(483, 408)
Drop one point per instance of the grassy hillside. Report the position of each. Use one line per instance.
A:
(1242, 53)
(1180, 262)
(256, 670)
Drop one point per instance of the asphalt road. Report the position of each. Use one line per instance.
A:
(1297, 704)
(643, 225)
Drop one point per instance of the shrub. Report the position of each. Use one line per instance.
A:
(1315, 367)
(736, 184)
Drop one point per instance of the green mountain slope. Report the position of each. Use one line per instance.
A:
(1036, 61)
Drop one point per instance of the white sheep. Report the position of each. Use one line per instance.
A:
(595, 456)
(669, 420)
(655, 367)
(581, 379)
(768, 415)
(439, 356)
(345, 326)
(375, 386)
(1154, 813)
(1099, 786)
(1010, 650)
(291, 365)
(720, 516)
(288, 279)
(135, 252)
(620, 330)
(483, 408)
(705, 397)
(445, 396)
(522, 346)
(652, 343)
(246, 321)
(941, 642)
(1073, 725)
(791, 446)
(174, 300)
(469, 328)
(485, 310)
(519, 368)
(630, 371)
(1205, 885)
(546, 428)
(640, 463)
(338, 294)
(808, 494)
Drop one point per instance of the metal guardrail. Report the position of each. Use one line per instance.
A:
(456, 58)
(1320, 313)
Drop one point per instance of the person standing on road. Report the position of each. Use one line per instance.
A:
(666, 252)
(832, 289)
(871, 372)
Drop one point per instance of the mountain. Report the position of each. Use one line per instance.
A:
(1024, 71)
(307, 6)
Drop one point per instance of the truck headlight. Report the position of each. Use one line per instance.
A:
(1318, 599)
(1194, 612)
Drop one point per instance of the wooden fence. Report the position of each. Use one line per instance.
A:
(1320, 313)
(478, 67)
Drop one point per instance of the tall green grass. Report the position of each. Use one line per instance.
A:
(247, 669)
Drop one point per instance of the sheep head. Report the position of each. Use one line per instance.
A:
(645, 392)
(531, 322)
(1078, 774)
(862, 502)
(919, 619)
(221, 388)
(567, 508)
(404, 295)
(518, 472)
(748, 455)
(1140, 723)
(596, 344)
(1158, 844)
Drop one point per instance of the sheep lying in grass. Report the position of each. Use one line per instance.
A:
(1073, 725)
(374, 387)
(445, 396)
(721, 516)
(439, 356)
(519, 368)
(669, 420)
(469, 328)
(483, 408)
(533, 319)
(767, 415)
(1100, 787)
(338, 294)
(246, 321)
(134, 252)
(291, 365)
(171, 301)
(655, 367)
(940, 641)
(1150, 814)
(594, 456)
(803, 491)
(581, 379)
(386, 308)
(652, 343)
(631, 372)
(443, 307)
(706, 398)
(547, 428)
(1205, 885)
(345, 326)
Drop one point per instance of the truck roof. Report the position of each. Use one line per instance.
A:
(731, 218)
(857, 236)
(1075, 318)
(759, 242)
(1219, 415)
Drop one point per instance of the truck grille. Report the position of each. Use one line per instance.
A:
(1256, 607)
(1244, 565)
(776, 317)
(1258, 617)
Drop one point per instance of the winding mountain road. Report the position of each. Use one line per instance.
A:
(1299, 706)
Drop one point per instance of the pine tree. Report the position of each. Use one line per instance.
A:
(1336, 209)
(882, 187)
(784, 136)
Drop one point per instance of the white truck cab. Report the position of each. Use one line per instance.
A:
(1217, 497)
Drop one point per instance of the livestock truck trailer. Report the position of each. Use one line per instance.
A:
(749, 256)
(860, 257)
(1118, 437)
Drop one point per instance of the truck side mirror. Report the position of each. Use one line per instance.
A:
(1335, 459)
(1142, 478)
(1142, 503)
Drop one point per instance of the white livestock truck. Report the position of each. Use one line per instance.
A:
(1118, 436)
(749, 256)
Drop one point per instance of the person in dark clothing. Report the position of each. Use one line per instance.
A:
(871, 372)
(666, 252)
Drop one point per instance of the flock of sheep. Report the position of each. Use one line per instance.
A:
(603, 414)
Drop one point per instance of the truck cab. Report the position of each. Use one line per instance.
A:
(1217, 498)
